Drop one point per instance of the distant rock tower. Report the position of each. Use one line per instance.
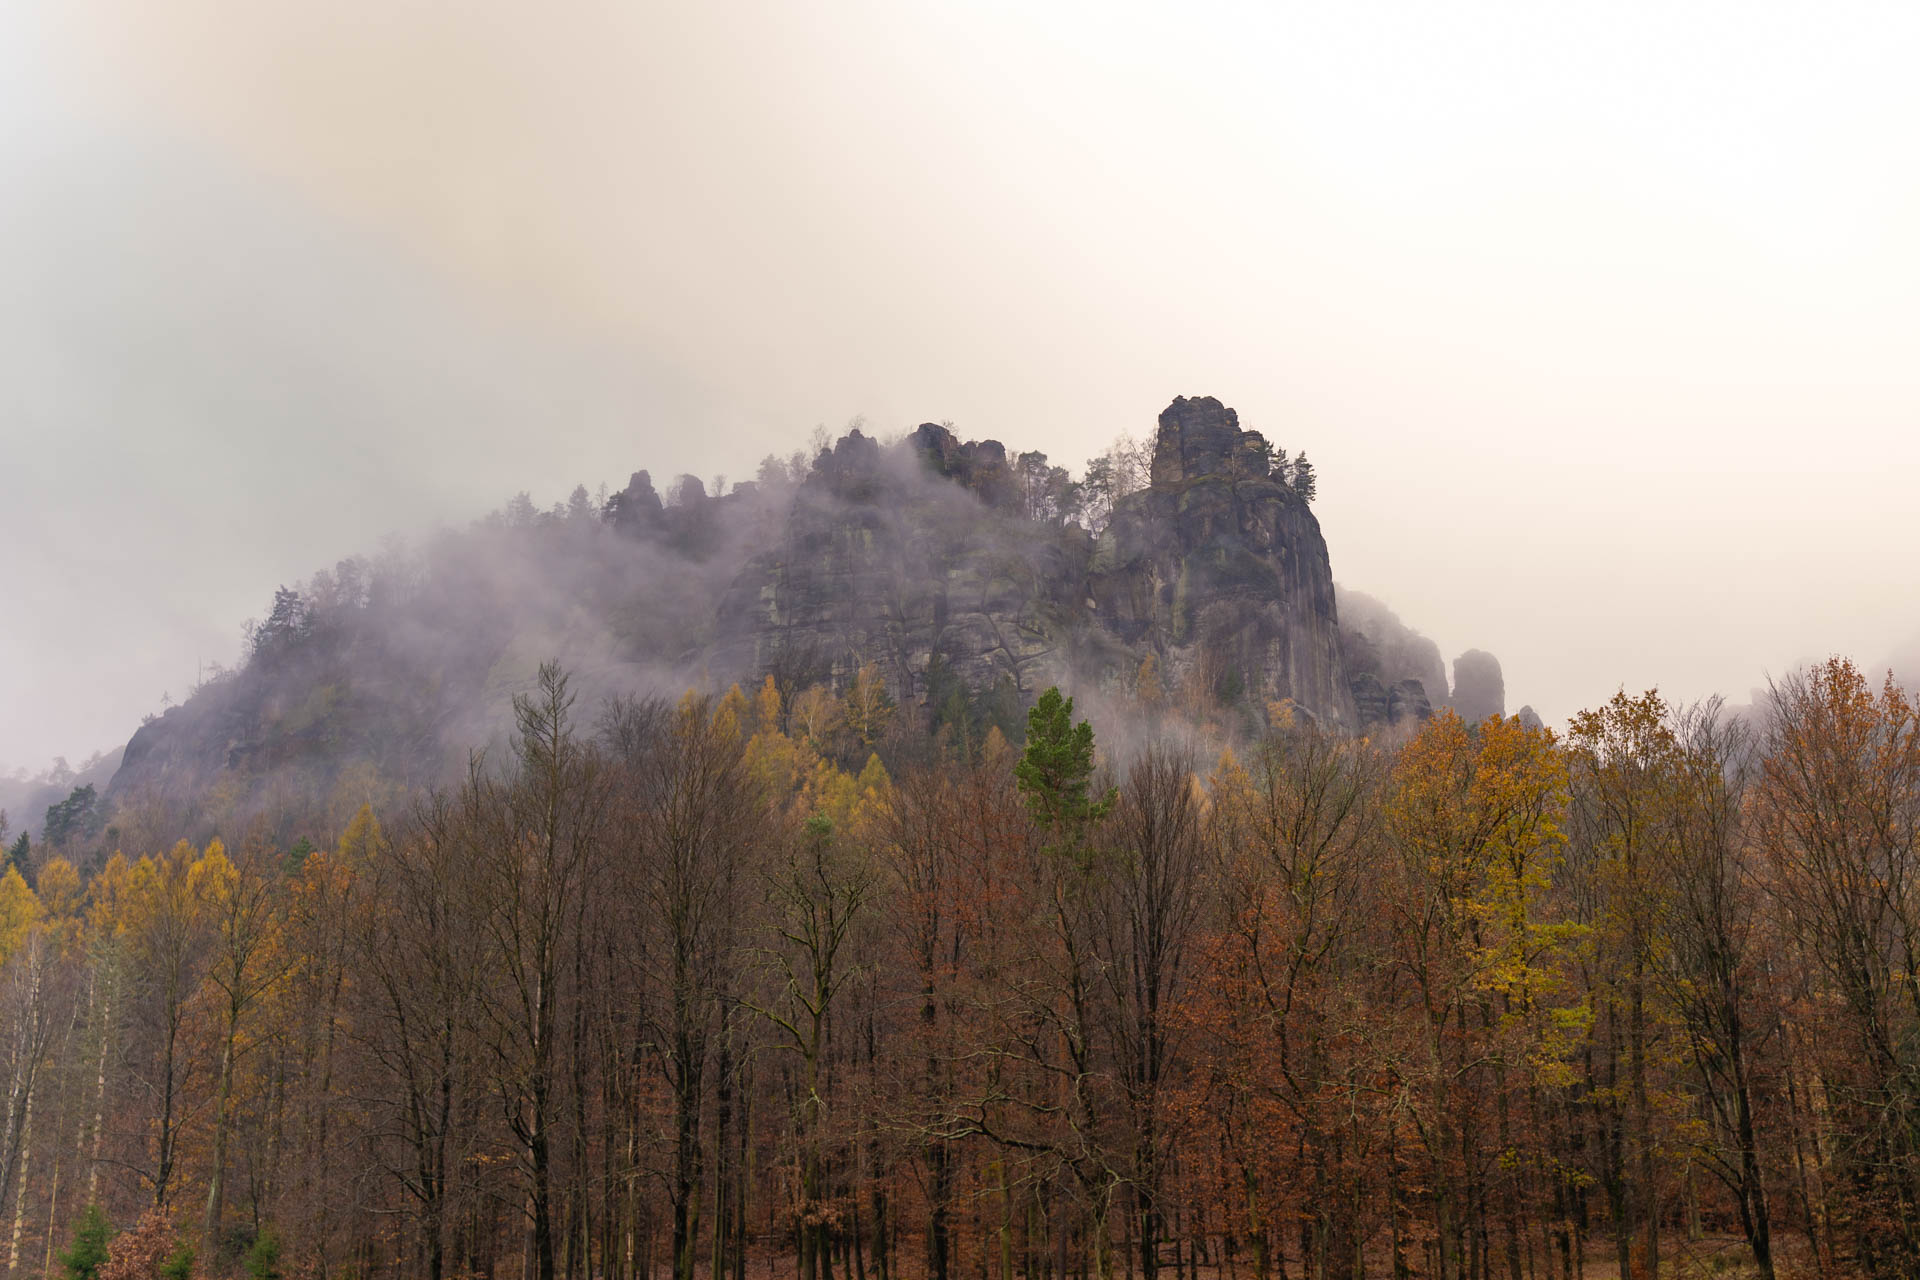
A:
(1479, 690)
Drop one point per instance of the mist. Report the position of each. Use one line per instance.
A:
(1598, 328)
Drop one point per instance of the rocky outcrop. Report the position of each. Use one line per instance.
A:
(1374, 639)
(979, 466)
(1222, 570)
(939, 559)
(1201, 440)
(957, 569)
(911, 559)
(1407, 703)
(637, 509)
(1369, 701)
(1381, 707)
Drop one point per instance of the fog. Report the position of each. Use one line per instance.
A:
(1598, 327)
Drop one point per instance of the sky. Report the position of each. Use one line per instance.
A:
(1598, 322)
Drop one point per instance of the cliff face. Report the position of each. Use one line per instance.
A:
(1217, 569)
(1220, 569)
(919, 560)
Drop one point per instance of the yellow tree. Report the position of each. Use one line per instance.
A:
(733, 718)
(20, 911)
(1627, 769)
(813, 716)
(1475, 820)
(164, 919)
(61, 893)
(242, 910)
(776, 763)
(105, 933)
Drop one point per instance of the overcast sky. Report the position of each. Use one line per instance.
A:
(1601, 324)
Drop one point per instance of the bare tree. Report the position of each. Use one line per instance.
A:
(1708, 968)
(1839, 817)
(534, 837)
(817, 895)
(423, 953)
(1152, 907)
(688, 823)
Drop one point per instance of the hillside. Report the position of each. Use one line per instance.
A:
(965, 577)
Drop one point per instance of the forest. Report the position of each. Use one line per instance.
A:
(749, 985)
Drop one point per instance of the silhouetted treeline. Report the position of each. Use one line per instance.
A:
(702, 989)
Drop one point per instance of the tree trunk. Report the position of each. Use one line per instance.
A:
(217, 1182)
(20, 1202)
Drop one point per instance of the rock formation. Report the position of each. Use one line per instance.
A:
(930, 560)
(637, 509)
(1221, 569)
(1407, 703)
(912, 559)
(1479, 690)
(1377, 645)
(1374, 639)
(959, 571)
(1378, 706)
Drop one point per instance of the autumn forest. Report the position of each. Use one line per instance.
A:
(767, 986)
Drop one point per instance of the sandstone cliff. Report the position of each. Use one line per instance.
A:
(936, 558)
(1221, 570)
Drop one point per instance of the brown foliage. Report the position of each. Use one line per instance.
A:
(139, 1252)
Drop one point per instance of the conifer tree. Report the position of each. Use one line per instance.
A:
(1056, 768)
(76, 817)
(89, 1249)
(263, 1260)
(1303, 482)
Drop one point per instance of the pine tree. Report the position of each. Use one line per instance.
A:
(1055, 769)
(1303, 481)
(89, 1250)
(288, 623)
(77, 816)
(263, 1260)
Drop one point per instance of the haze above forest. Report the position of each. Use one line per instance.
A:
(1601, 330)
